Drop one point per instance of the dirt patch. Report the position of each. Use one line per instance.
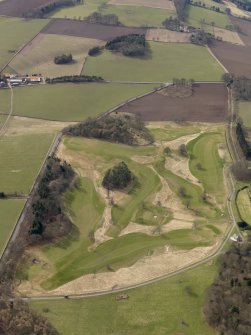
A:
(147, 268)
(165, 35)
(164, 4)
(89, 30)
(228, 36)
(245, 29)
(174, 91)
(235, 58)
(143, 159)
(18, 8)
(207, 104)
(175, 144)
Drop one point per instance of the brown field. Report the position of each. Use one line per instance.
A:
(228, 36)
(165, 35)
(82, 29)
(245, 27)
(207, 104)
(235, 58)
(19, 7)
(164, 4)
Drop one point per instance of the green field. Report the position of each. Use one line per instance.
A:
(40, 58)
(245, 113)
(172, 306)
(14, 33)
(167, 61)
(133, 16)
(206, 164)
(211, 3)
(197, 14)
(9, 213)
(21, 158)
(169, 133)
(244, 205)
(69, 102)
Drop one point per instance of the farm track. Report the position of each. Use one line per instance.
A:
(3, 129)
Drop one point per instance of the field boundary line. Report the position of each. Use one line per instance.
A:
(218, 61)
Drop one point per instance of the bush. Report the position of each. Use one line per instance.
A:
(94, 51)
(183, 150)
(63, 59)
(119, 177)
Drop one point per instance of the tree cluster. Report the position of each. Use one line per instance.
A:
(201, 38)
(243, 4)
(94, 51)
(241, 171)
(63, 59)
(241, 86)
(180, 6)
(132, 45)
(74, 79)
(49, 7)
(245, 146)
(108, 19)
(228, 301)
(127, 129)
(118, 177)
(17, 318)
(171, 23)
(48, 219)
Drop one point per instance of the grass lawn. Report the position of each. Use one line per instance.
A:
(197, 14)
(244, 205)
(206, 165)
(245, 112)
(169, 133)
(69, 102)
(9, 213)
(133, 16)
(40, 58)
(172, 306)
(167, 61)
(15, 32)
(21, 158)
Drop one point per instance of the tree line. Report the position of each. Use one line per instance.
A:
(74, 79)
(241, 86)
(243, 4)
(107, 19)
(228, 300)
(50, 7)
(245, 146)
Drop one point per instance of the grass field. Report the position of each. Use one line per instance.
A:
(245, 113)
(69, 102)
(197, 14)
(9, 213)
(244, 205)
(169, 133)
(38, 57)
(164, 64)
(206, 164)
(211, 3)
(14, 33)
(133, 16)
(172, 306)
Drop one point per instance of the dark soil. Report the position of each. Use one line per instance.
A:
(18, 8)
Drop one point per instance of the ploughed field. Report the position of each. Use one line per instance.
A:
(89, 30)
(19, 7)
(235, 58)
(245, 29)
(208, 103)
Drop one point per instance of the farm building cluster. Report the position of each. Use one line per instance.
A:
(8, 80)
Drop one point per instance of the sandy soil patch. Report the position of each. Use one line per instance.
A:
(100, 234)
(155, 230)
(165, 35)
(143, 159)
(228, 36)
(22, 125)
(147, 268)
(164, 4)
(180, 166)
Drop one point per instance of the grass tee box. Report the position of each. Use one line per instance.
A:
(166, 61)
(14, 33)
(69, 102)
(9, 213)
(179, 301)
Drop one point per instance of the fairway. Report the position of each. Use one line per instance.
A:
(14, 33)
(163, 64)
(198, 16)
(206, 164)
(38, 56)
(245, 113)
(244, 205)
(69, 102)
(172, 306)
(9, 213)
